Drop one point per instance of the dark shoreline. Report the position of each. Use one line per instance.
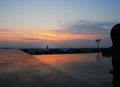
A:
(38, 51)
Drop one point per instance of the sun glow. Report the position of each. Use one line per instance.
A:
(42, 35)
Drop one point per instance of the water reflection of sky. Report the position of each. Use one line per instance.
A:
(89, 67)
(89, 70)
(66, 58)
(79, 59)
(86, 63)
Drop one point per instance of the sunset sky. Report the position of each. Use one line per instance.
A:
(57, 23)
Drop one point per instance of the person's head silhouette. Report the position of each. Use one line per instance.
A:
(115, 36)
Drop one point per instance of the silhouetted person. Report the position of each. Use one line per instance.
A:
(115, 36)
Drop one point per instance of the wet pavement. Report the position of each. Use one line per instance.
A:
(19, 69)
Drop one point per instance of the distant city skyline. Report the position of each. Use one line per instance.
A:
(57, 23)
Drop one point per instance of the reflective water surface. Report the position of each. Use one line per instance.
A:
(91, 67)
(19, 69)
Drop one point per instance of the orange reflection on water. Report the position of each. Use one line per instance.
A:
(16, 58)
(66, 58)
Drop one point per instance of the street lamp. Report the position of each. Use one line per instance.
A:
(98, 56)
(97, 41)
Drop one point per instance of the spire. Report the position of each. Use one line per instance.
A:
(47, 47)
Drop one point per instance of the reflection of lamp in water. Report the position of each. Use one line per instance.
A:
(98, 56)
(98, 59)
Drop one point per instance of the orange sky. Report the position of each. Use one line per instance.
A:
(61, 22)
(42, 35)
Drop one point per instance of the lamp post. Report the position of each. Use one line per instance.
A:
(98, 56)
(97, 41)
